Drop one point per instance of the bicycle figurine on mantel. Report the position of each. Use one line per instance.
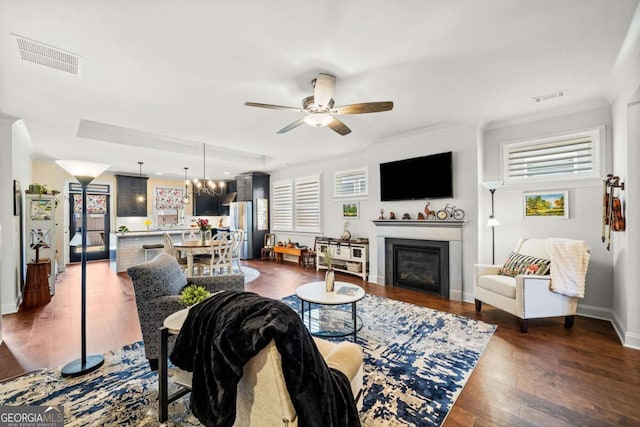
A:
(450, 211)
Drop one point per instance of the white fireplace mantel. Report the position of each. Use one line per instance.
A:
(419, 223)
(445, 230)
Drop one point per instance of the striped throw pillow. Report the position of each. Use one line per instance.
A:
(524, 264)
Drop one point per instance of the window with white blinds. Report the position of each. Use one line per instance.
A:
(282, 205)
(307, 204)
(351, 183)
(568, 156)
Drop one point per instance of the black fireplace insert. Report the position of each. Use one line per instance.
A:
(418, 264)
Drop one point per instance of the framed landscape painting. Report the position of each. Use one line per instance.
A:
(350, 210)
(553, 204)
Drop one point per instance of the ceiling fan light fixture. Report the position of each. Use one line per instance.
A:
(318, 120)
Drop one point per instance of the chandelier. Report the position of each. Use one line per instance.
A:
(205, 185)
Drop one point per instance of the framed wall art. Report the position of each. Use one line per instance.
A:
(351, 210)
(551, 204)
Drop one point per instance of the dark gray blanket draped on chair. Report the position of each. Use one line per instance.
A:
(222, 333)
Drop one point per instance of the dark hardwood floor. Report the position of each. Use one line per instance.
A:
(548, 377)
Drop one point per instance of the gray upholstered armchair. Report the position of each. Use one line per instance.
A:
(157, 285)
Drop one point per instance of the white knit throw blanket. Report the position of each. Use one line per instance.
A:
(569, 261)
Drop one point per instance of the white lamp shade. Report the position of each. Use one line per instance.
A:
(318, 119)
(81, 168)
(492, 222)
(492, 185)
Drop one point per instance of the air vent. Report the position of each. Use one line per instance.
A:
(551, 95)
(49, 56)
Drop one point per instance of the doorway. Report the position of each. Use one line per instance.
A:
(98, 222)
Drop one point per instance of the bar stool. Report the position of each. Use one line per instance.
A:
(147, 248)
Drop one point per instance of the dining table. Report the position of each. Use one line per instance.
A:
(192, 247)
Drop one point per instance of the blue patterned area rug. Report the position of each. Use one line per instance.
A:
(416, 362)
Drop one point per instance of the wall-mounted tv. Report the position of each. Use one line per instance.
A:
(427, 177)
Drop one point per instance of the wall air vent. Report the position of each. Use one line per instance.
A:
(40, 53)
(550, 95)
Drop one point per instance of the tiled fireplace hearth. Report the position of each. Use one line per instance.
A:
(419, 245)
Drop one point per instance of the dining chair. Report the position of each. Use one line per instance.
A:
(238, 238)
(171, 250)
(196, 235)
(191, 234)
(219, 256)
(309, 258)
(267, 248)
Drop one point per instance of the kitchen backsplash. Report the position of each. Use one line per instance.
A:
(135, 223)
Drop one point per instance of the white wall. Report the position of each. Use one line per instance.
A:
(585, 203)
(460, 140)
(626, 246)
(15, 163)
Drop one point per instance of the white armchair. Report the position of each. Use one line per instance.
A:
(524, 296)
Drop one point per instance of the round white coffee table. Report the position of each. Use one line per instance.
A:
(330, 322)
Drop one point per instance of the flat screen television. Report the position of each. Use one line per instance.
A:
(427, 177)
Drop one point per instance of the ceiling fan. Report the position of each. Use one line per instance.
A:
(319, 108)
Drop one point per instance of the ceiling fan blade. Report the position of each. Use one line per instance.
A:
(339, 127)
(292, 126)
(364, 107)
(273, 107)
(323, 89)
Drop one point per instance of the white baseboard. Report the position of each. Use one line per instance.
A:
(468, 297)
(628, 339)
(9, 308)
(455, 294)
(594, 312)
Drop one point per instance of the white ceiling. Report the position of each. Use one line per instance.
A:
(160, 78)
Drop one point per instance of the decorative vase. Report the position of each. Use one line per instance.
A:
(203, 235)
(330, 280)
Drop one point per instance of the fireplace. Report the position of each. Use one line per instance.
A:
(418, 264)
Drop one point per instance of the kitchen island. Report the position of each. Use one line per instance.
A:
(128, 246)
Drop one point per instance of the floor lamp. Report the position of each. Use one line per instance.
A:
(492, 186)
(84, 172)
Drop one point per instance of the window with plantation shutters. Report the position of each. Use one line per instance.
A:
(351, 183)
(568, 156)
(282, 205)
(307, 204)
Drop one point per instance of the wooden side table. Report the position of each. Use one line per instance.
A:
(36, 289)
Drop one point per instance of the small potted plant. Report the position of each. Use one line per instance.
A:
(330, 275)
(193, 294)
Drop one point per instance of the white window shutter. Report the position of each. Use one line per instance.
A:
(351, 183)
(569, 156)
(282, 206)
(307, 204)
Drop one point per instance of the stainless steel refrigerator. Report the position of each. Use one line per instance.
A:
(241, 217)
